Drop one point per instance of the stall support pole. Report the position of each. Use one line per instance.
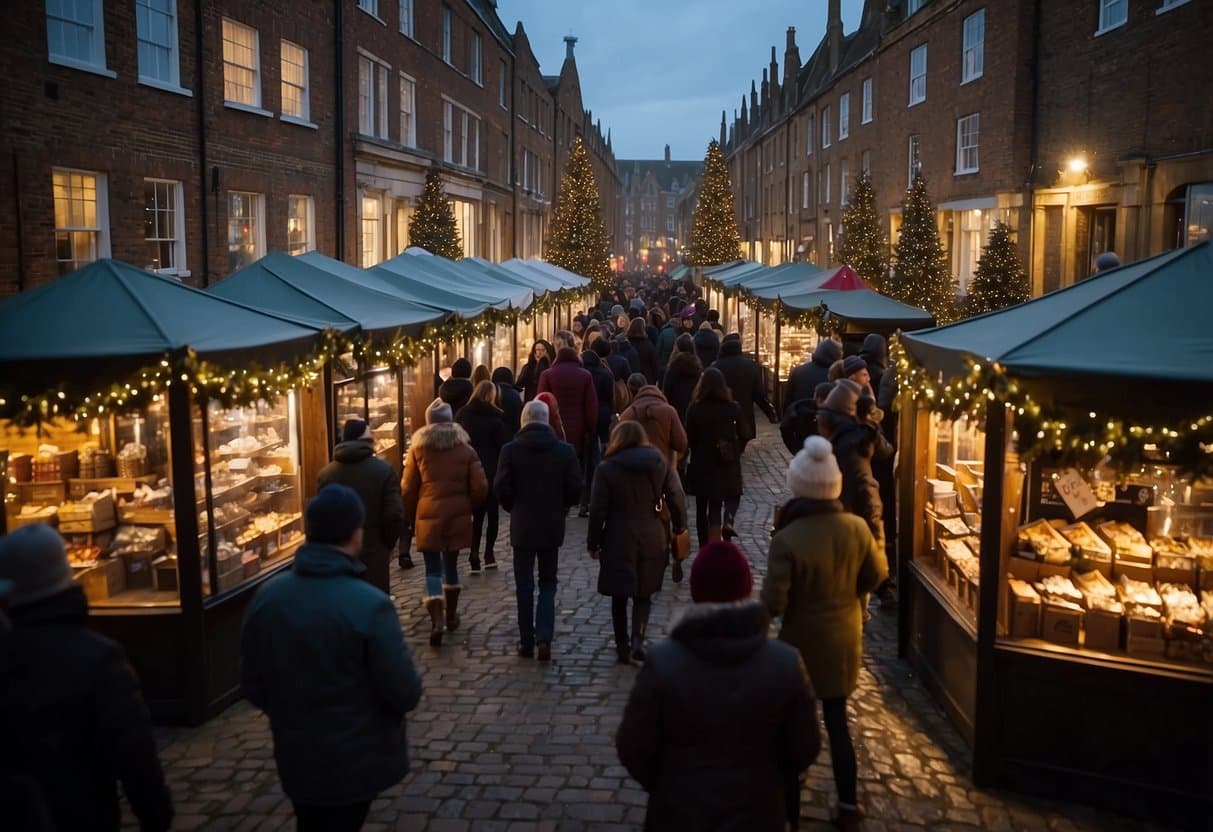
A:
(757, 333)
(189, 557)
(514, 344)
(330, 406)
(778, 347)
(985, 719)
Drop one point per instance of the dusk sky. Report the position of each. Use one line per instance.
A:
(660, 71)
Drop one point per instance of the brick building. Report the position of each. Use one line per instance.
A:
(658, 194)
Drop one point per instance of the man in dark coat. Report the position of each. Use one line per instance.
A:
(71, 714)
(457, 389)
(744, 378)
(707, 345)
(875, 355)
(604, 389)
(538, 477)
(804, 378)
(378, 485)
(508, 398)
(646, 353)
(615, 360)
(323, 655)
(721, 719)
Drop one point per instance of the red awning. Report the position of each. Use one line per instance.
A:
(844, 279)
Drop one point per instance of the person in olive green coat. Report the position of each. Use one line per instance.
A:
(822, 560)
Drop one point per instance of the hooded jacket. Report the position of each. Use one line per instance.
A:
(744, 378)
(804, 378)
(854, 447)
(443, 483)
(375, 481)
(604, 389)
(646, 357)
(323, 655)
(456, 392)
(538, 477)
(681, 376)
(660, 422)
(707, 346)
(573, 387)
(875, 353)
(719, 723)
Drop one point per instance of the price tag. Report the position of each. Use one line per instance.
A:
(1075, 492)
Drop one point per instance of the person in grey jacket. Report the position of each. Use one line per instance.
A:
(323, 655)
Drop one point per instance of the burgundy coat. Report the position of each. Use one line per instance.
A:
(573, 387)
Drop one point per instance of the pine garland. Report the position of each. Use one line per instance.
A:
(579, 242)
(1000, 280)
(921, 275)
(864, 246)
(433, 227)
(714, 236)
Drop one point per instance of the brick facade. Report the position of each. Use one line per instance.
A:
(658, 198)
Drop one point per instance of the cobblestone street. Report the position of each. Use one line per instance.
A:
(502, 743)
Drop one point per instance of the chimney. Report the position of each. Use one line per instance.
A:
(834, 33)
(667, 154)
(791, 60)
(570, 41)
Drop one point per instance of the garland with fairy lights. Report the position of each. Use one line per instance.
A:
(1083, 440)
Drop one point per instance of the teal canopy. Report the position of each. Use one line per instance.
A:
(417, 265)
(790, 278)
(568, 279)
(729, 278)
(861, 309)
(539, 281)
(420, 291)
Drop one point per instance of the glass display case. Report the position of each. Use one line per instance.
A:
(376, 398)
(746, 327)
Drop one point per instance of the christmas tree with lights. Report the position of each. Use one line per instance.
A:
(1000, 280)
(579, 242)
(714, 237)
(864, 247)
(433, 227)
(921, 276)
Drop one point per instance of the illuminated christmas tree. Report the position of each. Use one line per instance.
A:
(579, 242)
(864, 247)
(433, 227)
(921, 276)
(1000, 280)
(714, 237)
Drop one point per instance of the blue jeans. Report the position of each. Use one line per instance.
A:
(535, 624)
(440, 568)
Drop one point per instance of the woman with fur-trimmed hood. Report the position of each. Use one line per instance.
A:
(443, 484)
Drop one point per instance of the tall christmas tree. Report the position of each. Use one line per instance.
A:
(921, 276)
(579, 242)
(1000, 280)
(714, 237)
(433, 227)
(864, 246)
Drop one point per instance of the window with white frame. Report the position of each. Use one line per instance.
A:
(918, 75)
(475, 69)
(406, 17)
(81, 218)
(825, 128)
(866, 115)
(844, 183)
(502, 80)
(966, 143)
(913, 6)
(972, 53)
(300, 231)
(408, 111)
(164, 226)
(371, 226)
(806, 189)
(369, 6)
(669, 225)
(446, 34)
(294, 81)
(245, 228)
(156, 29)
(914, 161)
(1112, 13)
(75, 33)
(372, 97)
(825, 185)
(241, 64)
(809, 132)
(844, 115)
(461, 136)
(1167, 5)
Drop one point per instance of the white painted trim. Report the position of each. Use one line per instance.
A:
(81, 65)
(244, 108)
(156, 83)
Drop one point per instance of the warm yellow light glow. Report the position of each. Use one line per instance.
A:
(1077, 164)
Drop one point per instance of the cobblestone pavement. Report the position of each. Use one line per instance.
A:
(502, 743)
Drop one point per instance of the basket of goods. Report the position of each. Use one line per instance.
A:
(1043, 542)
(96, 464)
(1127, 542)
(132, 460)
(51, 464)
(1090, 544)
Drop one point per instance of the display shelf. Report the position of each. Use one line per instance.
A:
(79, 486)
(249, 454)
(138, 598)
(946, 595)
(1106, 658)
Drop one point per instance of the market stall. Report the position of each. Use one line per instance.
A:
(1056, 543)
(161, 429)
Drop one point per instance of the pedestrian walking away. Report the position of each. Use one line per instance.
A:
(486, 427)
(822, 559)
(604, 391)
(540, 359)
(537, 479)
(323, 655)
(744, 377)
(681, 375)
(443, 484)
(508, 398)
(375, 481)
(804, 378)
(714, 470)
(576, 397)
(636, 498)
(457, 389)
(707, 344)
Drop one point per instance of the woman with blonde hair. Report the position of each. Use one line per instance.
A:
(481, 373)
(488, 429)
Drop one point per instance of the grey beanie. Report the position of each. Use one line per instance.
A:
(34, 559)
(535, 412)
(438, 411)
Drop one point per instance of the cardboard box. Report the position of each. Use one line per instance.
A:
(1023, 568)
(1132, 570)
(1149, 648)
(1102, 630)
(1023, 605)
(85, 517)
(104, 580)
(1139, 627)
(1060, 625)
(164, 574)
(40, 493)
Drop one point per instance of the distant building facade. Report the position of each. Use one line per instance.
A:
(658, 201)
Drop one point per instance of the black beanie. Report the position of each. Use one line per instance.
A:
(462, 368)
(333, 515)
(353, 429)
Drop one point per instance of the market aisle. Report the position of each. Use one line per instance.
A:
(503, 743)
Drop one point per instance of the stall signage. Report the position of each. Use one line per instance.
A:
(1074, 492)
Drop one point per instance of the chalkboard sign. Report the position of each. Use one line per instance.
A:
(1129, 504)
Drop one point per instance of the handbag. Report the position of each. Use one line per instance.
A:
(726, 449)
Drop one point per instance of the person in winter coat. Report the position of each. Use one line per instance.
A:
(822, 559)
(457, 389)
(485, 424)
(646, 353)
(656, 320)
(804, 378)
(508, 399)
(714, 470)
(573, 387)
(374, 480)
(665, 340)
(481, 373)
(660, 421)
(71, 714)
(616, 361)
(541, 357)
(443, 485)
(627, 534)
(537, 479)
(627, 349)
(855, 443)
(707, 344)
(604, 389)
(681, 375)
(744, 377)
(322, 653)
(721, 720)
(875, 356)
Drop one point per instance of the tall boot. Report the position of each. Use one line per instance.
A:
(452, 606)
(435, 607)
(714, 532)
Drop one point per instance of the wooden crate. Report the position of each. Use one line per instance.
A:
(59, 466)
(77, 487)
(40, 493)
(104, 580)
(84, 518)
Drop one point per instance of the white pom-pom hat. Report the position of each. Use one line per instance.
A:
(813, 473)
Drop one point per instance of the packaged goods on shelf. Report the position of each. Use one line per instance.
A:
(1134, 594)
(1127, 542)
(1044, 541)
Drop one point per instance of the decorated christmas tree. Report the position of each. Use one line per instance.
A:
(921, 276)
(1000, 280)
(433, 227)
(864, 246)
(714, 237)
(579, 242)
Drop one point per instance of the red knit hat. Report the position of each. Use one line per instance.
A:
(720, 574)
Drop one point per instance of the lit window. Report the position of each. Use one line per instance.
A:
(502, 78)
(294, 81)
(372, 232)
(446, 34)
(1112, 13)
(75, 33)
(918, 75)
(475, 70)
(972, 55)
(867, 101)
(966, 143)
(372, 97)
(805, 189)
(163, 226)
(245, 228)
(914, 161)
(241, 73)
(299, 212)
(408, 118)
(825, 128)
(369, 6)
(844, 183)
(406, 17)
(844, 116)
(81, 232)
(156, 25)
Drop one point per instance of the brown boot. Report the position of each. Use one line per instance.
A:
(435, 607)
(452, 607)
(713, 533)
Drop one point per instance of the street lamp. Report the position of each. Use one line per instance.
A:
(1077, 164)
